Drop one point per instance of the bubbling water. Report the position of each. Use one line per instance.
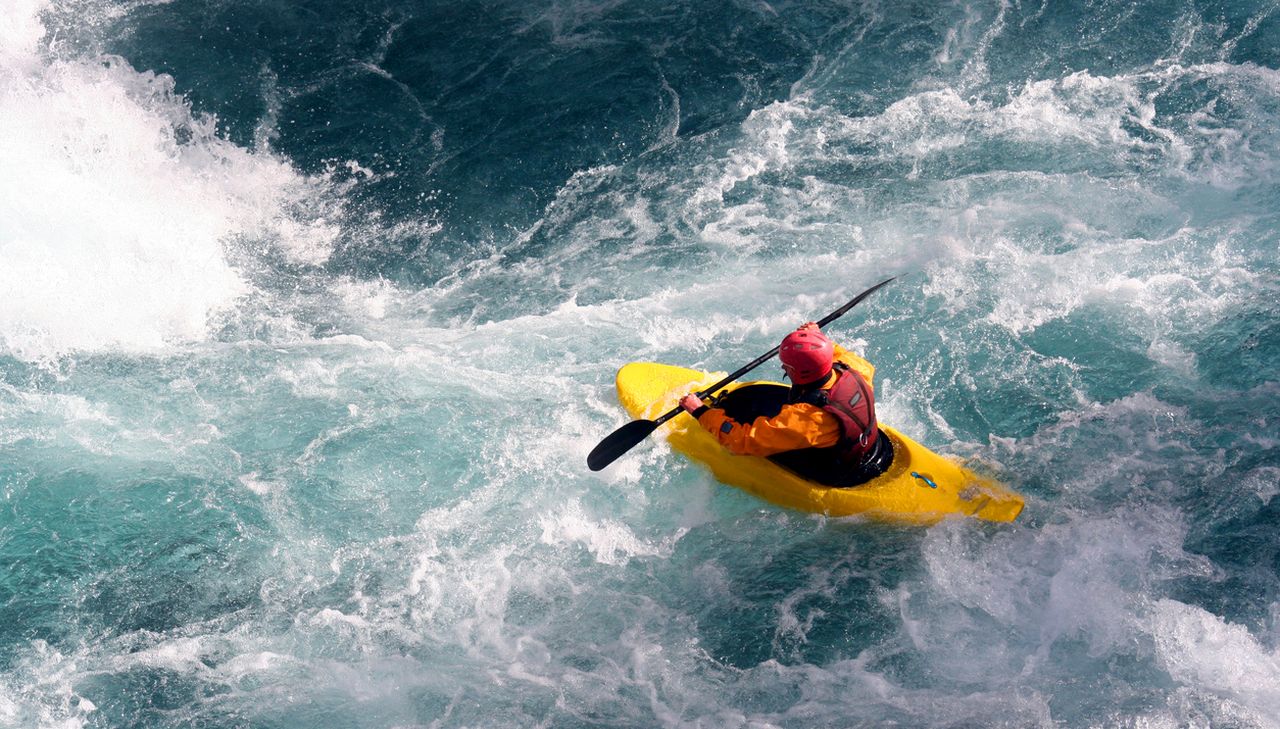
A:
(121, 209)
(271, 492)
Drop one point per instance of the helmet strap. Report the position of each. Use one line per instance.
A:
(817, 384)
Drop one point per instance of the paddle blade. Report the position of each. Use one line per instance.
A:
(618, 442)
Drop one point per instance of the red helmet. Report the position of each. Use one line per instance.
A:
(806, 355)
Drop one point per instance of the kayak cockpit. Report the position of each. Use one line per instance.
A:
(822, 465)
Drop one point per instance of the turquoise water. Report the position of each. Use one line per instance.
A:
(309, 314)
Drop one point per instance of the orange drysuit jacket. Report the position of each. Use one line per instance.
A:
(797, 425)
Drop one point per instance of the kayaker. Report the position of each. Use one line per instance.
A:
(827, 430)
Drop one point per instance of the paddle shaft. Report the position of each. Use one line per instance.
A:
(732, 376)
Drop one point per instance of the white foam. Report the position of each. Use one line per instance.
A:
(1086, 579)
(1263, 481)
(367, 299)
(182, 655)
(49, 416)
(118, 204)
(1174, 356)
(608, 540)
(250, 663)
(20, 32)
(1204, 651)
(767, 132)
(39, 690)
(261, 486)
(336, 618)
(68, 409)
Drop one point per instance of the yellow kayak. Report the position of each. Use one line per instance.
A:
(920, 487)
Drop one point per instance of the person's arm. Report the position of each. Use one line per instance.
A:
(797, 426)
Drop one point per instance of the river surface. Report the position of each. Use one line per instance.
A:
(310, 312)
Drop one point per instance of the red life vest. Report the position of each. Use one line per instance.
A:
(853, 404)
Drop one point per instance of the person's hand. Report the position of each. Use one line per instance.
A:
(690, 402)
(809, 326)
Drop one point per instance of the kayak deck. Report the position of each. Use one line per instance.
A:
(920, 487)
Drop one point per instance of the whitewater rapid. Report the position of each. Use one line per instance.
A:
(303, 346)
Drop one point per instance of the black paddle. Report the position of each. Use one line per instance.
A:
(625, 438)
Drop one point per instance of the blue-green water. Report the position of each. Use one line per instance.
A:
(310, 310)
